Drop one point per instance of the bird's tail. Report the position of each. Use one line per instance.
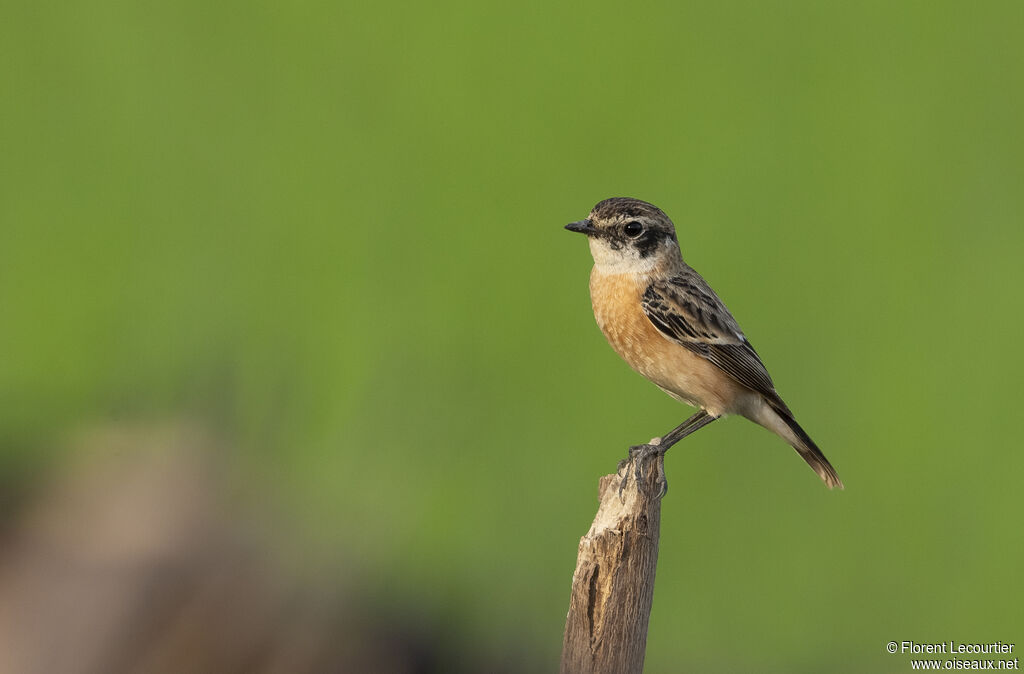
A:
(803, 444)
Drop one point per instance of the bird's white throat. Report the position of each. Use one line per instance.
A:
(627, 259)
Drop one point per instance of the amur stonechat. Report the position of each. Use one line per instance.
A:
(664, 319)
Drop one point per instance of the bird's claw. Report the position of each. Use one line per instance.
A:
(638, 456)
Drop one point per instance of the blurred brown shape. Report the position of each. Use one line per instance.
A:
(127, 560)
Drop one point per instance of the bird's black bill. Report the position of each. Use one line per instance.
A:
(583, 227)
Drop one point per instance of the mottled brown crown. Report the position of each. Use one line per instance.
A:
(623, 223)
(626, 207)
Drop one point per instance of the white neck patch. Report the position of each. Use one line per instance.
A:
(627, 260)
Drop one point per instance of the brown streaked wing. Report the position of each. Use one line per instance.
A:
(686, 310)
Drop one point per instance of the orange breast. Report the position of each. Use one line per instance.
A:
(678, 371)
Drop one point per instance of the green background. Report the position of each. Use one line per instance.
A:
(334, 232)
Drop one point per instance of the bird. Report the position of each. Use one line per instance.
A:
(666, 322)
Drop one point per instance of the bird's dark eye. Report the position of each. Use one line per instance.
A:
(633, 229)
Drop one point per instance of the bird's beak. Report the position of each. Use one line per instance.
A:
(583, 227)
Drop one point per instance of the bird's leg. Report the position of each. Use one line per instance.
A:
(691, 425)
(656, 448)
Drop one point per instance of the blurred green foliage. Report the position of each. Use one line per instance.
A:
(335, 231)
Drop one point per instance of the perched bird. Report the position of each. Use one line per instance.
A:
(664, 319)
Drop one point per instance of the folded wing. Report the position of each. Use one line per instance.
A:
(686, 310)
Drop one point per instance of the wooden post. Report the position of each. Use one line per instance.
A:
(613, 585)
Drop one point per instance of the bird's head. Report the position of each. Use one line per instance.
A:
(628, 235)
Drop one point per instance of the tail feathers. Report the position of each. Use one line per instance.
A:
(809, 451)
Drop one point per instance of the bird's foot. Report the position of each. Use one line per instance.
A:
(639, 456)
